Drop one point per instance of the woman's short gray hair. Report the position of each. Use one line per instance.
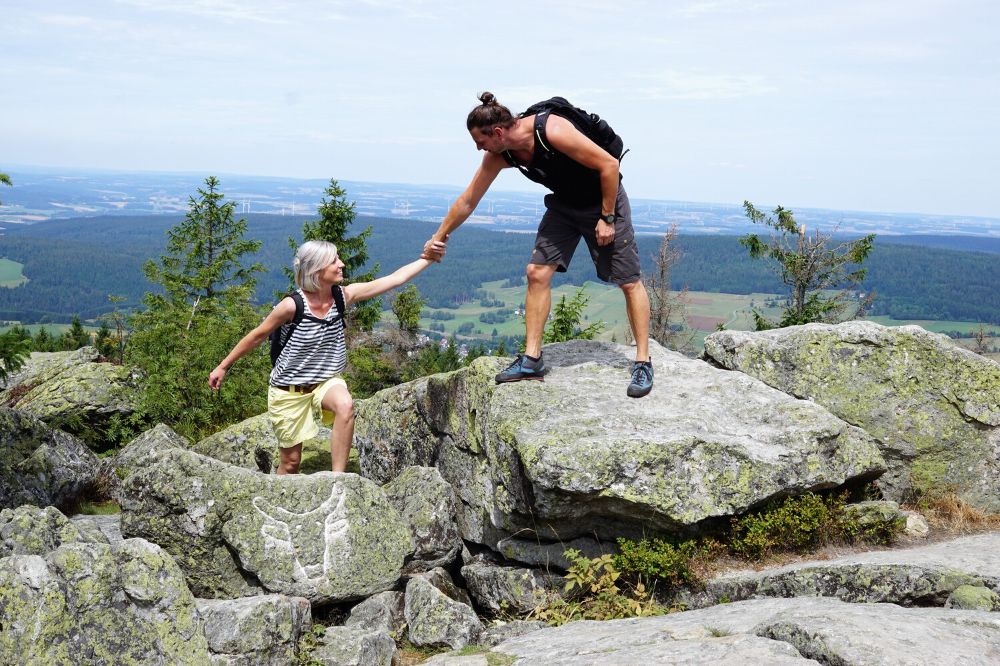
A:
(312, 257)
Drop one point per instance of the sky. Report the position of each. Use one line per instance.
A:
(866, 105)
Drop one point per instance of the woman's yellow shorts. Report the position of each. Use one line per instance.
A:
(293, 414)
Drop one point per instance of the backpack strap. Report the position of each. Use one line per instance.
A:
(540, 137)
(338, 300)
(300, 307)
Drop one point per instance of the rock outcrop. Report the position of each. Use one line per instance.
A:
(96, 603)
(569, 457)
(933, 406)
(262, 630)
(40, 465)
(326, 537)
(73, 392)
(769, 631)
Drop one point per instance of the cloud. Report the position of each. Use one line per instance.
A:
(697, 86)
(233, 10)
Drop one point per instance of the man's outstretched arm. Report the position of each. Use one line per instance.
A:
(467, 201)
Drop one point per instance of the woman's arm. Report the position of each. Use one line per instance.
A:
(282, 313)
(361, 291)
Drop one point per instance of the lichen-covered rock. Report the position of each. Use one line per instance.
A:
(916, 525)
(72, 392)
(973, 597)
(91, 603)
(100, 529)
(435, 619)
(498, 633)
(29, 530)
(429, 506)
(549, 461)
(263, 630)
(933, 406)
(382, 612)
(546, 554)
(876, 517)
(922, 576)
(138, 454)
(768, 631)
(250, 443)
(40, 465)
(512, 590)
(354, 646)
(326, 537)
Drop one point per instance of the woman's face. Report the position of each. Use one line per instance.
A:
(332, 272)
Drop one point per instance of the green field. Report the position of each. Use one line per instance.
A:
(705, 311)
(10, 273)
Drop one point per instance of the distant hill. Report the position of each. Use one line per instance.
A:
(74, 264)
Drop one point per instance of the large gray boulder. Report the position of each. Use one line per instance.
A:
(30, 530)
(430, 507)
(326, 537)
(250, 443)
(769, 631)
(510, 590)
(40, 465)
(73, 392)
(933, 406)
(435, 618)
(927, 575)
(354, 646)
(92, 603)
(383, 612)
(573, 455)
(263, 631)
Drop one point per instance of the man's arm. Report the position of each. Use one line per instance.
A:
(571, 142)
(281, 314)
(467, 201)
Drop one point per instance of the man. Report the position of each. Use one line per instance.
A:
(587, 201)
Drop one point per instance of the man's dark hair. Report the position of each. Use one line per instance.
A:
(489, 114)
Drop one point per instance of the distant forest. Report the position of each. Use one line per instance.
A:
(73, 265)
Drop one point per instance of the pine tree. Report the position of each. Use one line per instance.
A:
(5, 179)
(43, 342)
(811, 269)
(407, 306)
(76, 337)
(336, 215)
(567, 318)
(203, 310)
(14, 351)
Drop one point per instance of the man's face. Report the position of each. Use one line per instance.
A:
(490, 140)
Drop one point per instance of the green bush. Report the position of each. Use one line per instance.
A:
(802, 523)
(658, 561)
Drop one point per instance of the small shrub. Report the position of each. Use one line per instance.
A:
(802, 523)
(658, 561)
(593, 593)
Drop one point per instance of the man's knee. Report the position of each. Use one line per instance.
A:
(631, 288)
(539, 275)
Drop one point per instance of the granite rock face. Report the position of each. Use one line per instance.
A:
(435, 619)
(92, 603)
(40, 465)
(929, 575)
(73, 392)
(548, 461)
(326, 537)
(767, 631)
(250, 443)
(933, 407)
(430, 507)
(30, 530)
(263, 630)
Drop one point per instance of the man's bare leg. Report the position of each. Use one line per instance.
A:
(339, 401)
(637, 308)
(537, 303)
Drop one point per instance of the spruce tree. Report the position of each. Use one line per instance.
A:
(5, 179)
(14, 351)
(75, 337)
(336, 215)
(203, 310)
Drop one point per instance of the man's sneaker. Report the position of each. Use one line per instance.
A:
(642, 379)
(522, 368)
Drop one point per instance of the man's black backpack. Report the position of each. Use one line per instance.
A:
(279, 337)
(590, 125)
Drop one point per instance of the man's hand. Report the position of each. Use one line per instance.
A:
(605, 233)
(434, 250)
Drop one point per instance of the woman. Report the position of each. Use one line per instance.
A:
(307, 374)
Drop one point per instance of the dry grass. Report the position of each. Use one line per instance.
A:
(951, 514)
